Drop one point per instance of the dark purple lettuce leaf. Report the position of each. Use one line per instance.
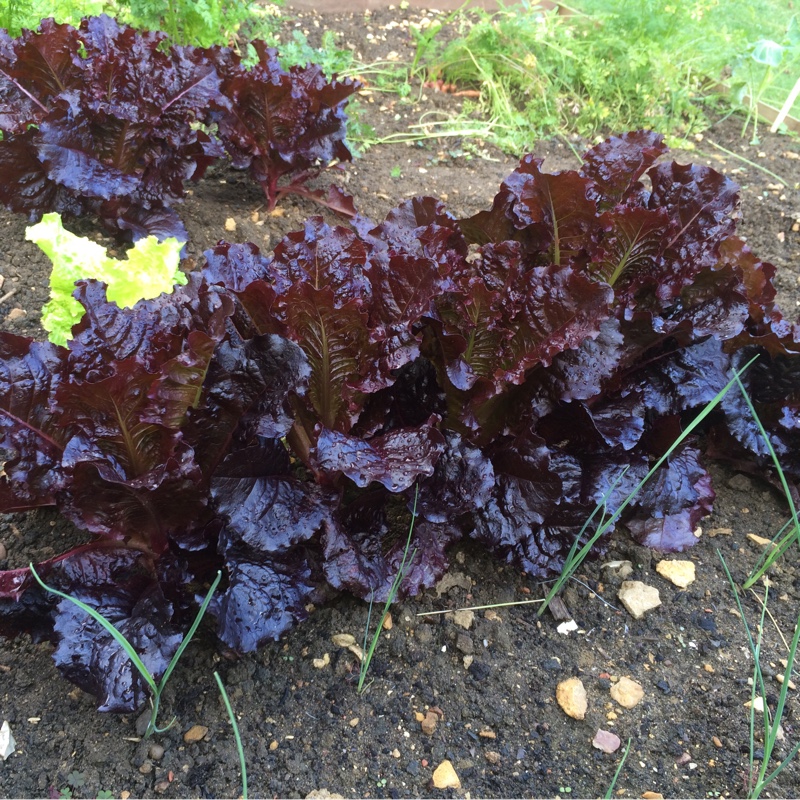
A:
(420, 226)
(126, 219)
(363, 553)
(426, 561)
(153, 332)
(668, 508)
(677, 379)
(262, 505)
(461, 483)
(409, 402)
(395, 459)
(773, 385)
(32, 436)
(122, 585)
(701, 203)
(322, 257)
(268, 515)
(25, 187)
(235, 266)
(245, 394)
(526, 493)
(634, 240)
(580, 373)
(513, 318)
(714, 304)
(265, 597)
(148, 509)
(615, 166)
(335, 340)
(34, 69)
(551, 215)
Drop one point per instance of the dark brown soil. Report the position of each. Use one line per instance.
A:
(305, 728)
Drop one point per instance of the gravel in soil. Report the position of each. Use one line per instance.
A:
(476, 691)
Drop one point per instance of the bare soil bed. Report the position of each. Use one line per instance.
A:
(492, 685)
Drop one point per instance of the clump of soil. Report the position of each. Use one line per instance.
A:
(477, 690)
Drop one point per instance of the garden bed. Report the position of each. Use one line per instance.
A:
(492, 684)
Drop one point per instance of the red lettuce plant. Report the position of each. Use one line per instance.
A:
(105, 120)
(269, 416)
(285, 127)
(102, 120)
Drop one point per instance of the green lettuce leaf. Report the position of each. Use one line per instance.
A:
(149, 269)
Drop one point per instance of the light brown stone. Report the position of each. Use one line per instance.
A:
(464, 618)
(638, 598)
(571, 696)
(679, 573)
(429, 723)
(445, 776)
(628, 693)
(195, 734)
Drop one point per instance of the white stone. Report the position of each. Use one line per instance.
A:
(7, 743)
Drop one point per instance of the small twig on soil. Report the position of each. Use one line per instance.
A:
(749, 162)
(7, 296)
(601, 599)
(478, 608)
(769, 614)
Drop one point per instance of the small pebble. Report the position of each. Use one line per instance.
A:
(354, 722)
(3, 551)
(571, 696)
(230, 224)
(628, 693)
(273, 745)
(156, 752)
(717, 742)
(606, 741)
(429, 723)
(146, 768)
(638, 598)
(142, 721)
(195, 734)
(445, 776)
(679, 573)
(493, 757)
(464, 618)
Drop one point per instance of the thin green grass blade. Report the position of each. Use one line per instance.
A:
(101, 620)
(188, 638)
(772, 557)
(401, 573)
(755, 652)
(236, 735)
(769, 743)
(156, 699)
(610, 790)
